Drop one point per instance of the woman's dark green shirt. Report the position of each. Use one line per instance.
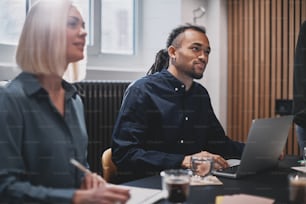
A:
(37, 142)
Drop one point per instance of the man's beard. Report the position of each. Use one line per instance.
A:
(191, 73)
(194, 75)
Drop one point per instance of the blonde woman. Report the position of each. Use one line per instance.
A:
(41, 116)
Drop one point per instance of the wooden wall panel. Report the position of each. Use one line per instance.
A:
(229, 67)
(240, 51)
(267, 46)
(261, 41)
(273, 54)
(246, 63)
(303, 10)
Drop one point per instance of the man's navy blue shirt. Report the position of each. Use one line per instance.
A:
(160, 122)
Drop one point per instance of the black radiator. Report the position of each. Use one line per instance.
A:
(102, 101)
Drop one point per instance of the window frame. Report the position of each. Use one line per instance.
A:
(112, 60)
(27, 4)
(8, 51)
(95, 58)
(105, 25)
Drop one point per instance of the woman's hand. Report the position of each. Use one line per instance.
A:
(105, 194)
(92, 180)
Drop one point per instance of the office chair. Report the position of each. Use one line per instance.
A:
(108, 166)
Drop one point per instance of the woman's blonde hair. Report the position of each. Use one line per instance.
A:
(42, 44)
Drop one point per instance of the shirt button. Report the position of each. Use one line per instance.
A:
(186, 118)
(176, 89)
(183, 86)
(181, 141)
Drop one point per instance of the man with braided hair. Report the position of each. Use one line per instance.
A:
(166, 117)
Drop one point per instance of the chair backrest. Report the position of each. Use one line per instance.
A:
(108, 166)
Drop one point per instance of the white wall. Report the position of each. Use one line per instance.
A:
(8, 69)
(215, 76)
(158, 18)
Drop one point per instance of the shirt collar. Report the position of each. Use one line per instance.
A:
(32, 86)
(177, 84)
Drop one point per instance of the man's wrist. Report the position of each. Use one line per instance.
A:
(186, 162)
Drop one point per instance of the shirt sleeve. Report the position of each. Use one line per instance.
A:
(14, 186)
(129, 137)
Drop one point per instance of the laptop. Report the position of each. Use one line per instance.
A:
(266, 140)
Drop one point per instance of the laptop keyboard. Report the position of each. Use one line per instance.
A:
(230, 170)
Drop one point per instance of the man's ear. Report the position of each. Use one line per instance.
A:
(172, 51)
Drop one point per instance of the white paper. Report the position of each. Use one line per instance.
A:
(299, 168)
(141, 195)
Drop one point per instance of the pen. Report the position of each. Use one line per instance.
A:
(85, 170)
(79, 166)
(302, 161)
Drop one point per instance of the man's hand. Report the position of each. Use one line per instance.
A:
(219, 162)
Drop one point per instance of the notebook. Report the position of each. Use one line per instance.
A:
(266, 140)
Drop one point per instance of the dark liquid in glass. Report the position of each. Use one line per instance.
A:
(298, 194)
(178, 191)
